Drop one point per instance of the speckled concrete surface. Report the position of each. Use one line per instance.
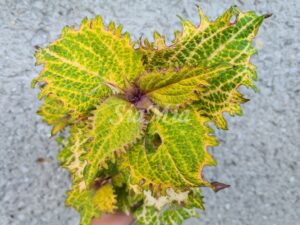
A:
(259, 156)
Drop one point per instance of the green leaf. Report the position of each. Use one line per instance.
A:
(79, 197)
(127, 200)
(86, 201)
(116, 124)
(74, 147)
(172, 89)
(214, 42)
(195, 199)
(221, 95)
(171, 216)
(82, 201)
(105, 199)
(178, 161)
(181, 206)
(80, 66)
(226, 40)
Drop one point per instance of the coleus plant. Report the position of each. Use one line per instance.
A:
(138, 112)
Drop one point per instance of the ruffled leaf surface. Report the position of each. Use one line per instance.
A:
(181, 206)
(82, 201)
(226, 40)
(74, 147)
(105, 199)
(171, 216)
(178, 161)
(80, 67)
(221, 95)
(172, 89)
(116, 124)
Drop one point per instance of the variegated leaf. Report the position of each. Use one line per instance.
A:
(177, 161)
(226, 40)
(80, 67)
(172, 89)
(116, 123)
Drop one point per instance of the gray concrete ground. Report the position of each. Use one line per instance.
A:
(259, 156)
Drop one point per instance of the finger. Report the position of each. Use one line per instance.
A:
(113, 219)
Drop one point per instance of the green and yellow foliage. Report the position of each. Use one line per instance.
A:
(138, 112)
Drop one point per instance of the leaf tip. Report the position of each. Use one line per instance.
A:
(118, 31)
(217, 186)
(84, 23)
(34, 82)
(268, 15)
(204, 21)
(112, 26)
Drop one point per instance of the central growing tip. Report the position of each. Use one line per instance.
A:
(133, 94)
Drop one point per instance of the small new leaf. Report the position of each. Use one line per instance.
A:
(172, 89)
(105, 199)
(82, 201)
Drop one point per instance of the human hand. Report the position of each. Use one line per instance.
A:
(113, 219)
